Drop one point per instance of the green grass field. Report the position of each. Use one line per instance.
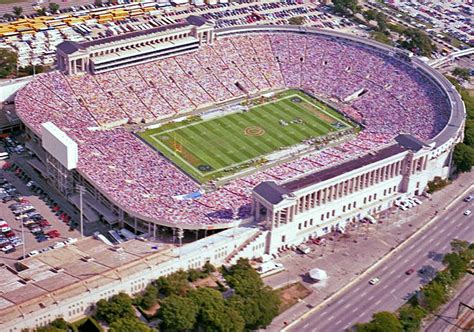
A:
(209, 149)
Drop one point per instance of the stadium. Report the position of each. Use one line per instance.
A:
(248, 140)
(200, 129)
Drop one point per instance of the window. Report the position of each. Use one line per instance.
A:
(322, 217)
(375, 197)
(344, 208)
(365, 200)
(299, 226)
(349, 206)
(283, 238)
(333, 212)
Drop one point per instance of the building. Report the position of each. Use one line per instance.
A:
(283, 213)
(115, 52)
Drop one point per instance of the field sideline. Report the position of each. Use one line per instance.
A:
(208, 149)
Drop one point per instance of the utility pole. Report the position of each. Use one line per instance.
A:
(81, 190)
(23, 239)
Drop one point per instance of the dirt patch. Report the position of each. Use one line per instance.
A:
(152, 311)
(290, 295)
(209, 282)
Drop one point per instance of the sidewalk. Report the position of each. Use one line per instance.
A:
(346, 258)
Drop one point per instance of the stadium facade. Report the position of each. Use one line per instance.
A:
(283, 211)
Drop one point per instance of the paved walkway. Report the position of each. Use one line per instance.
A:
(345, 258)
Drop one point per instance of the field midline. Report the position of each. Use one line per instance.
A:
(259, 145)
(238, 136)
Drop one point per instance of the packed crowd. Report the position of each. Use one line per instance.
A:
(393, 98)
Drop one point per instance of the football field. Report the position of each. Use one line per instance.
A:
(218, 146)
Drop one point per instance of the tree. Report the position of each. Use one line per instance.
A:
(53, 7)
(296, 20)
(149, 297)
(463, 73)
(417, 41)
(381, 322)
(208, 268)
(176, 283)
(8, 60)
(213, 314)
(463, 157)
(444, 278)
(345, 6)
(17, 10)
(128, 325)
(178, 313)
(456, 265)
(433, 296)
(410, 317)
(119, 306)
(41, 12)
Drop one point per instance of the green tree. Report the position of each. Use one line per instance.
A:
(53, 7)
(433, 296)
(296, 20)
(381, 322)
(456, 265)
(463, 73)
(208, 268)
(129, 324)
(178, 313)
(213, 314)
(346, 7)
(41, 12)
(463, 157)
(118, 306)
(417, 41)
(176, 283)
(97, 3)
(17, 10)
(410, 317)
(8, 60)
(444, 278)
(149, 297)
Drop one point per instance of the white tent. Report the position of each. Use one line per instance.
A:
(318, 274)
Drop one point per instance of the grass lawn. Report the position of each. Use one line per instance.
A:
(2, 2)
(208, 149)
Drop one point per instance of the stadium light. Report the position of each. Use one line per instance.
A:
(81, 190)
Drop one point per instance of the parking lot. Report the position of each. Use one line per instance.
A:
(29, 215)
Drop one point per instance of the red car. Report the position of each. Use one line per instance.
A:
(54, 233)
(44, 223)
(410, 271)
(10, 234)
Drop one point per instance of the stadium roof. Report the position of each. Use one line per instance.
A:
(271, 192)
(69, 47)
(343, 168)
(410, 142)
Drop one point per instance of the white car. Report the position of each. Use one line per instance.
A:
(467, 212)
(58, 245)
(374, 281)
(416, 200)
(70, 240)
(403, 208)
(33, 253)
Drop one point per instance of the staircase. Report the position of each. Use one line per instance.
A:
(233, 256)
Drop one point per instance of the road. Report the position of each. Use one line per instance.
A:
(359, 302)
